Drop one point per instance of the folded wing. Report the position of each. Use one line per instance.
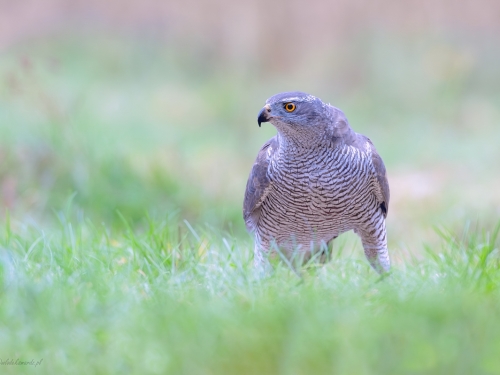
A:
(258, 184)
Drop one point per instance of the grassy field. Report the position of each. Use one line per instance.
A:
(123, 250)
(173, 299)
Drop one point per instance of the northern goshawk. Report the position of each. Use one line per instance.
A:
(314, 180)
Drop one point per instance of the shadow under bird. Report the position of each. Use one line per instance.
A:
(314, 180)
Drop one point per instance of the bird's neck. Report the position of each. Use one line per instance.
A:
(297, 142)
(300, 140)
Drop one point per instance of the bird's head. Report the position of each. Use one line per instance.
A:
(302, 116)
(292, 109)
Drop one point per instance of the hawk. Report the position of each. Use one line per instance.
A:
(314, 180)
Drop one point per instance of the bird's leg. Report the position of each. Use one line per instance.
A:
(374, 240)
(260, 258)
(326, 251)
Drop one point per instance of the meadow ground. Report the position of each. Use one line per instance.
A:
(123, 250)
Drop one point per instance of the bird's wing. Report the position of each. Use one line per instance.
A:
(258, 184)
(382, 185)
(381, 173)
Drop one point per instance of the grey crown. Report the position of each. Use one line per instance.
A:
(314, 180)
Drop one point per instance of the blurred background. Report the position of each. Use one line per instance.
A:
(149, 107)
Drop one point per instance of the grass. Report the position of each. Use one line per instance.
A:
(173, 298)
(123, 250)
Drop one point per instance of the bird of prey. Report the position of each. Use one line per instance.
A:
(314, 180)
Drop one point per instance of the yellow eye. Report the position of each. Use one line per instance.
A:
(290, 107)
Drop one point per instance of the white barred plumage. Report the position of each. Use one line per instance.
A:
(314, 180)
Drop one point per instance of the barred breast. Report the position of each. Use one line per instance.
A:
(316, 196)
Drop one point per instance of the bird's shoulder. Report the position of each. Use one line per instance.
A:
(258, 183)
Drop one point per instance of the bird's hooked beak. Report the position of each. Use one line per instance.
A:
(264, 114)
